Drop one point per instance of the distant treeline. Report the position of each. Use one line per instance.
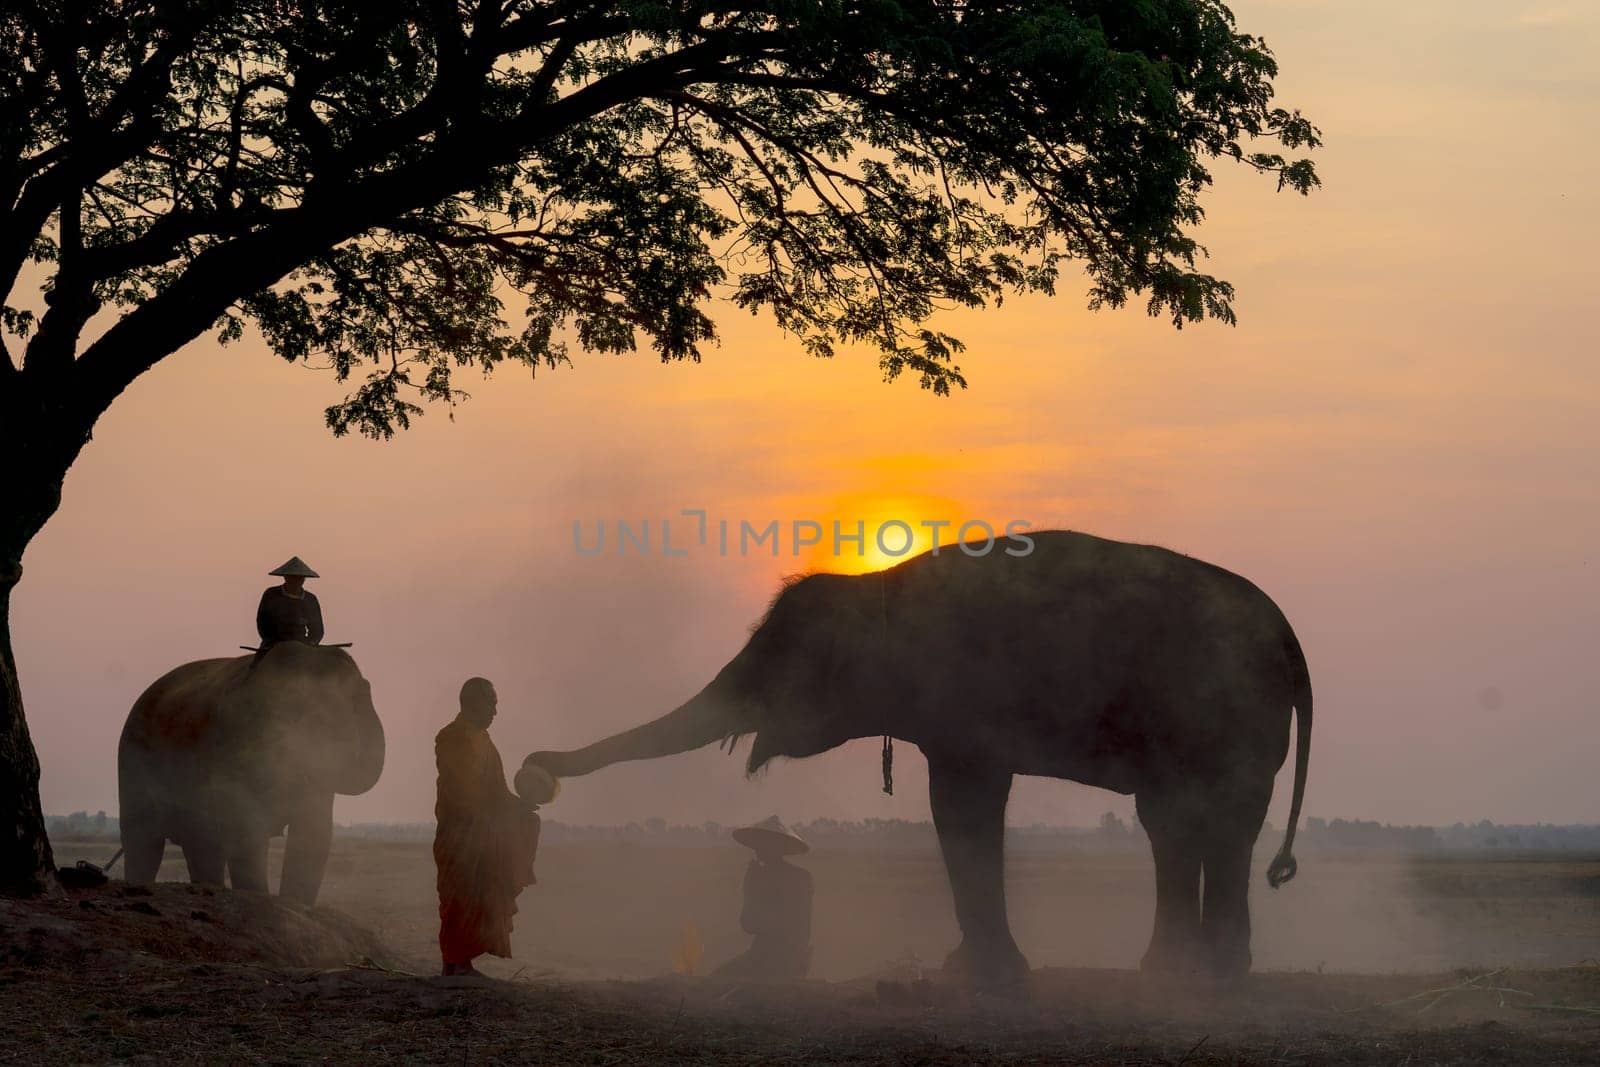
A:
(1112, 834)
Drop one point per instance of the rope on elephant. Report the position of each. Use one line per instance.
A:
(888, 742)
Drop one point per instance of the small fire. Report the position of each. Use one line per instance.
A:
(690, 950)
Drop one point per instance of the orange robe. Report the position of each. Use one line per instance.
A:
(484, 846)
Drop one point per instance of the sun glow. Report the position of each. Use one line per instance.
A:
(868, 532)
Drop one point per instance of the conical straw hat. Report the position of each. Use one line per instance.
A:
(295, 568)
(770, 831)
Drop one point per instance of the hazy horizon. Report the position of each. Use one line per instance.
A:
(1398, 443)
(1012, 824)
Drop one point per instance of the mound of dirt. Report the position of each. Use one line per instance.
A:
(111, 926)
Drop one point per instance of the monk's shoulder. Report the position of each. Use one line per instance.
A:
(452, 736)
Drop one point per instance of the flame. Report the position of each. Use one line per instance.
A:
(690, 950)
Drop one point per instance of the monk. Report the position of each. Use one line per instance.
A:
(486, 840)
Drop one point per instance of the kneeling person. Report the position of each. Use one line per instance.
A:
(777, 906)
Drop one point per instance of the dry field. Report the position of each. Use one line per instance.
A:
(1441, 961)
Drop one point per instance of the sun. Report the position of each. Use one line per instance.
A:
(871, 532)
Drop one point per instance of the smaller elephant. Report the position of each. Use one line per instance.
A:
(220, 755)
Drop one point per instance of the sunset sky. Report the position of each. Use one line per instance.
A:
(1400, 442)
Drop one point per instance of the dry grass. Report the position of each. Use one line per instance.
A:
(183, 975)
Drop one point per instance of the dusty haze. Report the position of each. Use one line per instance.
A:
(1398, 443)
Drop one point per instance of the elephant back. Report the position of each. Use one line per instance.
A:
(297, 717)
(167, 755)
(178, 712)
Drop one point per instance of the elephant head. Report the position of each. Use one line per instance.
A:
(809, 679)
(309, 712)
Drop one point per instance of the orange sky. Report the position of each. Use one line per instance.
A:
(1399, 443)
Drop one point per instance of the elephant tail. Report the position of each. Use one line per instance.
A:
(1283, 866)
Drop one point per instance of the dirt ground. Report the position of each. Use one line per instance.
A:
(607, 910)
(1448, 961)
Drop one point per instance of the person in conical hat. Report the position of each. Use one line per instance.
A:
(770, 834)
(777, 906)
(290, 612)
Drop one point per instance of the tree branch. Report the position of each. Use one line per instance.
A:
(101, 144)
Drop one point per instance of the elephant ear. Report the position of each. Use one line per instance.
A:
(811, 714)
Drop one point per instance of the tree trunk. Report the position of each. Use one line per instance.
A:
(27, 866)
(30, 491)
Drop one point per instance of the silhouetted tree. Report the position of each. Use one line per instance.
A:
(408, 188)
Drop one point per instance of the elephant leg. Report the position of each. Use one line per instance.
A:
(305, 855)
(205, 857)
(1175, 945)
(1225, 919)
(969, 809)
(247, 862)
(142, 850)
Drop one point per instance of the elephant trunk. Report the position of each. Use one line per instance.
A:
(362, 762)
(704, 719)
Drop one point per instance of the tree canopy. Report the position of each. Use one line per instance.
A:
(413, 187)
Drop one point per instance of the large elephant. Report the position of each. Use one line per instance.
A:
(1128, 667)
(221, 754)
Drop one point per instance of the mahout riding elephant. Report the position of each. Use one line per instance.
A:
(1128, 667)
(222, 754)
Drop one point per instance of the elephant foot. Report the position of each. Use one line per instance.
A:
(1173, 957)
(988, 965)
(299, 898)
(248, 874)
(144, 846)
(1228, 963)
